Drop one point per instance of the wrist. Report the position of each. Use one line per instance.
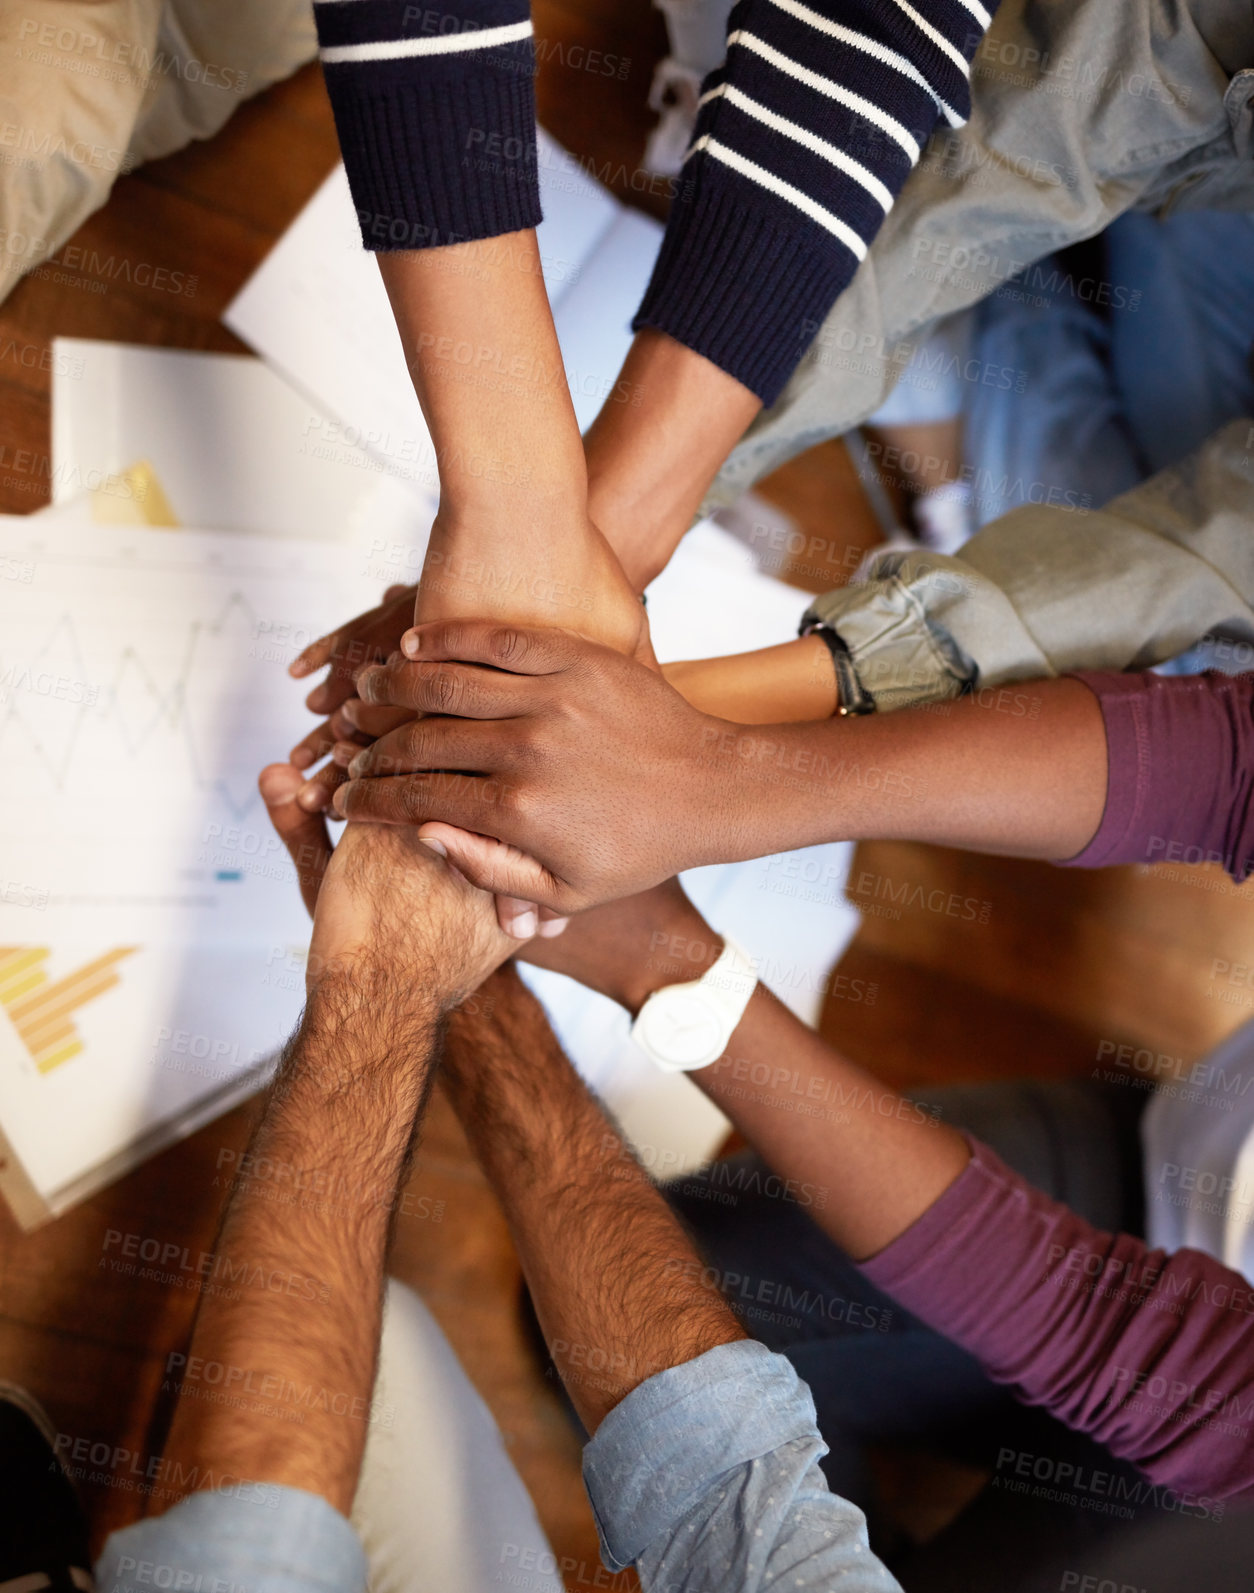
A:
(641, 527)
(358, 1022)
(680, 951)
(525, 487)
(655, 447)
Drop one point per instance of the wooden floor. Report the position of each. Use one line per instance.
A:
(1051, 966)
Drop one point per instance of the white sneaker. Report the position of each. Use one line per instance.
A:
(943, 518)
(673, 94)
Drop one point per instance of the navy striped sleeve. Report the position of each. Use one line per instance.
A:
(434, 105)
(804, 139)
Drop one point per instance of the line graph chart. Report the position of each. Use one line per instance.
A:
(139, 700)
(143, 684)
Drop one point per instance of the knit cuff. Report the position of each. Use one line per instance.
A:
(746, 289)
(440, 158)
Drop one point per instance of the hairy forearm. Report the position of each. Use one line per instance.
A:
(295, 1335)
(1021, 773)
(652, 456)
(607, 1264)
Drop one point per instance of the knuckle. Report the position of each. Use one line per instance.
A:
(508, 645)
(514, 799)
(527, 747)
(445, 690)
(412, 799)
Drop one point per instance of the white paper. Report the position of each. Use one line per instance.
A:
(593, 316)
(232, 444)
(316, 308)
(143, 685)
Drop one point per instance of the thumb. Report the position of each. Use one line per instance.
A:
(304, 834)
(503, 870)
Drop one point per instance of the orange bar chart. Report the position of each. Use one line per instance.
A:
(42, 1010)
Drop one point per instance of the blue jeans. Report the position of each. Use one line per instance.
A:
(1113, 392)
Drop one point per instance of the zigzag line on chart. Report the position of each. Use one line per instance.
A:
(168, 707)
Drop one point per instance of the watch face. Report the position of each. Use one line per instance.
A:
(682, 1030)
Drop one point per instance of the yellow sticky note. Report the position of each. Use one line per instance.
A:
(133, 497)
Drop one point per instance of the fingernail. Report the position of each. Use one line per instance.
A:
(411, 644)
(343, 753)
(298, 667)
(279, 801)
(359, 764)
(364, 680)
(438, 847)
(348, 712)
(551, 928)
(301, 757)
(339, 800)
(524, 926)
(311, 797)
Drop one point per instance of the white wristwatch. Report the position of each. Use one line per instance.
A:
(684, 1027)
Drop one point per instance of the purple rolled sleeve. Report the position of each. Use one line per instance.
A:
(1181, 782)
(1151, 1353)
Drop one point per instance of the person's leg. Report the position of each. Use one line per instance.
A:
(1049, 425)
(439, 1507)
(1183, 362)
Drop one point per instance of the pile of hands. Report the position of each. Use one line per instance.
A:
(498, 778)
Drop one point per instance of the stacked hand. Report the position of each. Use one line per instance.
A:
(385, 907)
(593, 597)
(596, 774)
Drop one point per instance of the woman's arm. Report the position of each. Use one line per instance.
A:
(1144, 1351)
(512, 537)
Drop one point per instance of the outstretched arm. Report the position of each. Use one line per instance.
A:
(601, 772)
(398, 938)
(703, 1465)
(609, 781)
(1074, 1319)
(276, 1393)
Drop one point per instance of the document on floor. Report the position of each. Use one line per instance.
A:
(152, 938)
(317, 311)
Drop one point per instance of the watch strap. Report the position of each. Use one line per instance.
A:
(727, 984)
(854, 698)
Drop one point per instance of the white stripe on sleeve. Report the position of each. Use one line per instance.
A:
(802, 135)
(776, 185)
(823, 85)
(871, 47)
(441, 44)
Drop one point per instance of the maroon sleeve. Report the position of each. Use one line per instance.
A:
(1152, 1354)
(1181, 781)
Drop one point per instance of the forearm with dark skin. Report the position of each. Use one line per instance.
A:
(652, 456)
(870, 1161)
(607, 1264)
(336, 1139)
(974, 775)
(564, 731)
